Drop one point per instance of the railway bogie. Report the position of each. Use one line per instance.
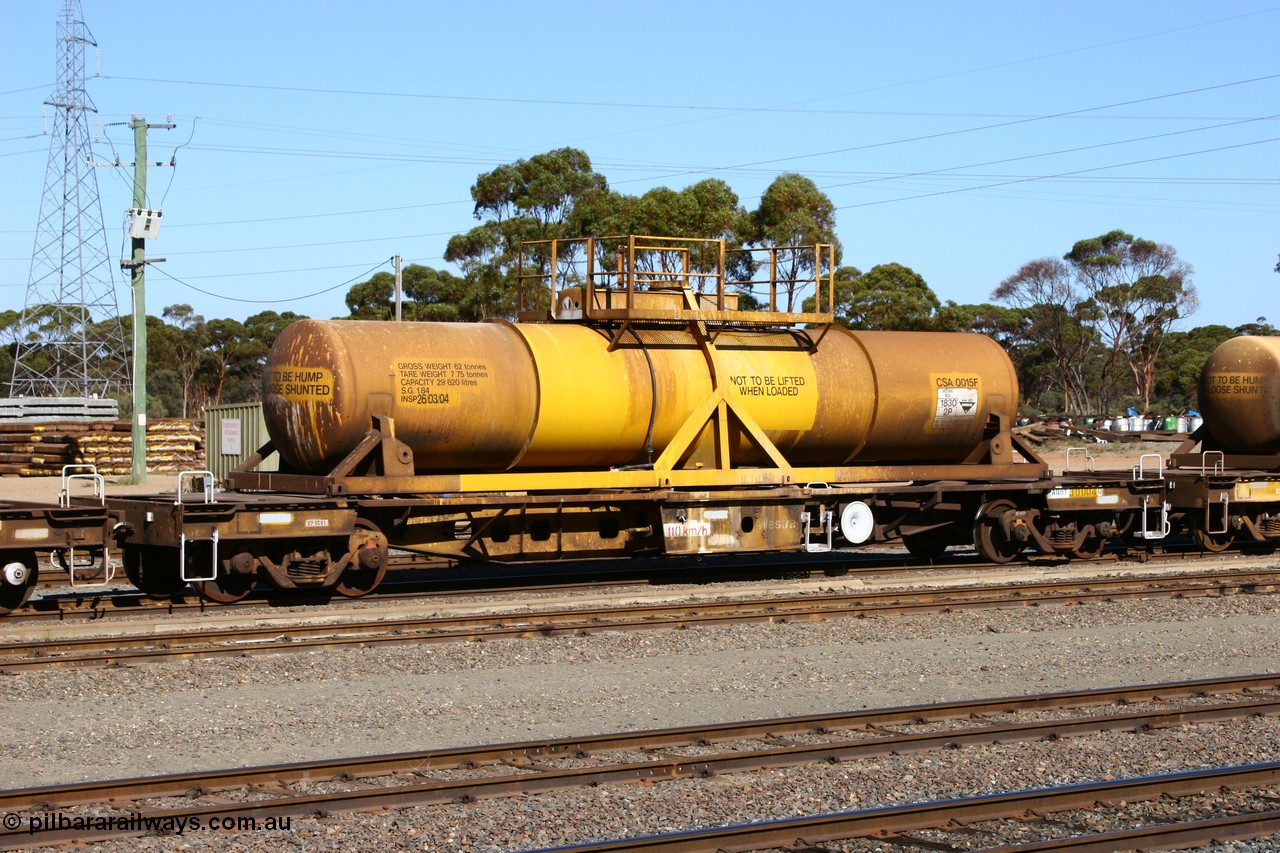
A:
(225, 544)
(72, 539)
(1221, 508)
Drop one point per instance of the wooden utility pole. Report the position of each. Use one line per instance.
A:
(399, 287)
(138, 263)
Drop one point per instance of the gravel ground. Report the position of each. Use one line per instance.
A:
(96, 724)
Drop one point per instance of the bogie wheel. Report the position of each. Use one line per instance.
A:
(929, 545)
(989, 536)
(1091, 547)
(368, 562)
(18, 573)
(225, 588)
(153, 570)
(1214, 542)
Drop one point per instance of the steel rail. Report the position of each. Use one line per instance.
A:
(521, 756)
(521, 752)
(1169, 836)
(100, 606)
(525, 755)
(104, 651)
(940, 814)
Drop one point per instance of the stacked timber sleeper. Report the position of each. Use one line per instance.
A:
(42, 449)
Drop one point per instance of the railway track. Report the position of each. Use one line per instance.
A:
(967, 816)
(63, 604)
(153, 646)
(113, 606)
(461, 775)
(60, 602)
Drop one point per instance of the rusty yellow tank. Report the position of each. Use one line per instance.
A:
(1240, 395)
(499, 396)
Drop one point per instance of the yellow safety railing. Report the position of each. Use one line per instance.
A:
(606, 273)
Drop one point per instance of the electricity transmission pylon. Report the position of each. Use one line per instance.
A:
(73, 342)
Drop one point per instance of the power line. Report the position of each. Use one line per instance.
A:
(670, 106)
(320, 215)
(1037, 58)
(1056, 153)
(241, 249)
(1062, 174)
(273, 301)
(947, 133)
(750, 111)
(29, 89)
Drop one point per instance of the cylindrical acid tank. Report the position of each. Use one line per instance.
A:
(498, 396)
(1240, 395)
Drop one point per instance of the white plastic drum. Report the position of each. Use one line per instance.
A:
(857, 522)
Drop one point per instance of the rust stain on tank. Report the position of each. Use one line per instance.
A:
(497, 396)
(1239, 394)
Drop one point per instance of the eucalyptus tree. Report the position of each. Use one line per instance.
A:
(182, 343)
(1139, 289)
(549, 196)
(793, 212)
(889, 296)
(1178, 376)
(707, 210)
(1059, 315)
(427, 294)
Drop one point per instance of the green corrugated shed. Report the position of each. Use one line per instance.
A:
(232, 433)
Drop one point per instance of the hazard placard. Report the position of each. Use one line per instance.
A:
(958, 396)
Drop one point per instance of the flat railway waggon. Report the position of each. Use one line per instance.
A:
(77, 538)
(643, 407)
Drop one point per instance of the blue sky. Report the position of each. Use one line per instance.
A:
(316, 140)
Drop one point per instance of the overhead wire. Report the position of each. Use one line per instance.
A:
(962, 72)
(670, 106)
(173, 161)
(322, 215)
(1012, 122)
(1058, 152)
(961, 131)
(936, 173)
(239, 249)
(302, 298)
(708, 170)
(1064, 174)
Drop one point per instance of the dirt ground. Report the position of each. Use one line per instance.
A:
(46, 489)
(1102, 457)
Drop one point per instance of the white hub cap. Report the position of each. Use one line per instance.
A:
(857, 522)
(15, 573)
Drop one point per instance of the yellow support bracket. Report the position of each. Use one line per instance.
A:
(720, 409)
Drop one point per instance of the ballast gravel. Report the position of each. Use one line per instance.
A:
(68, 726)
